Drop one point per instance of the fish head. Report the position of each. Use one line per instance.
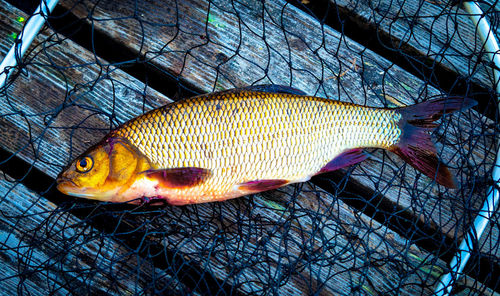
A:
(103, 171)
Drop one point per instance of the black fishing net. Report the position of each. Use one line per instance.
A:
(376, 228)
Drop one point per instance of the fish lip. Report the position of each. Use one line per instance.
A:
(65, 185)
(61, 180)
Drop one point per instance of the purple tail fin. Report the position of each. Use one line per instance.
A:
(415, 145)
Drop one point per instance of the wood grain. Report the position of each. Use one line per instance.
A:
(48, 250)
(440, 31)
(331, 248)
(302, 240)
(434, 30)
(227, 44)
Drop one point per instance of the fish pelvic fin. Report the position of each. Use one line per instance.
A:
(415, 145)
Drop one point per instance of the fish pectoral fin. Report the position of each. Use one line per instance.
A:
(179, 177)
(261, 185)
(346, 158)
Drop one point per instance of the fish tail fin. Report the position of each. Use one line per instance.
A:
(415, 145)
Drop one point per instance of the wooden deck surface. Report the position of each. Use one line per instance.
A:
(367, 79)
(426, 29)
(45, 249)
(91, 109)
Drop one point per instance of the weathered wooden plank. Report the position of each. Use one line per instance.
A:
(27, 230)
(48, 251)
(317, 241)
(440, 31)
(225, 46)
(56, 138)
(249, 233)
(68, 112)
(435, 30)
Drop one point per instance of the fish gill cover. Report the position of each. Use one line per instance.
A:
(379, 227)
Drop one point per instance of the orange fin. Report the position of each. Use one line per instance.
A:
(261, 185)
(344, 159)
(179, 177)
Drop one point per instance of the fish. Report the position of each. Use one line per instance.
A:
(227, 144)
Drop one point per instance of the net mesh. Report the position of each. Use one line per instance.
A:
(375, 228)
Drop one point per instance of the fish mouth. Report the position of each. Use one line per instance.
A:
(66, 186)
(62, 179)
(69, 187)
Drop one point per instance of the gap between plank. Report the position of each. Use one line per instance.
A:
(424, 68)
(191, 273)
(362, 199)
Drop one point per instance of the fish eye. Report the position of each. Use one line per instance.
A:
(84, 164)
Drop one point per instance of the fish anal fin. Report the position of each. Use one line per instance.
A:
(179, 177)
(346, 158)
(261, 185)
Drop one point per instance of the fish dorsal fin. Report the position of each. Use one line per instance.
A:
(270, 88)
(179, 177)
